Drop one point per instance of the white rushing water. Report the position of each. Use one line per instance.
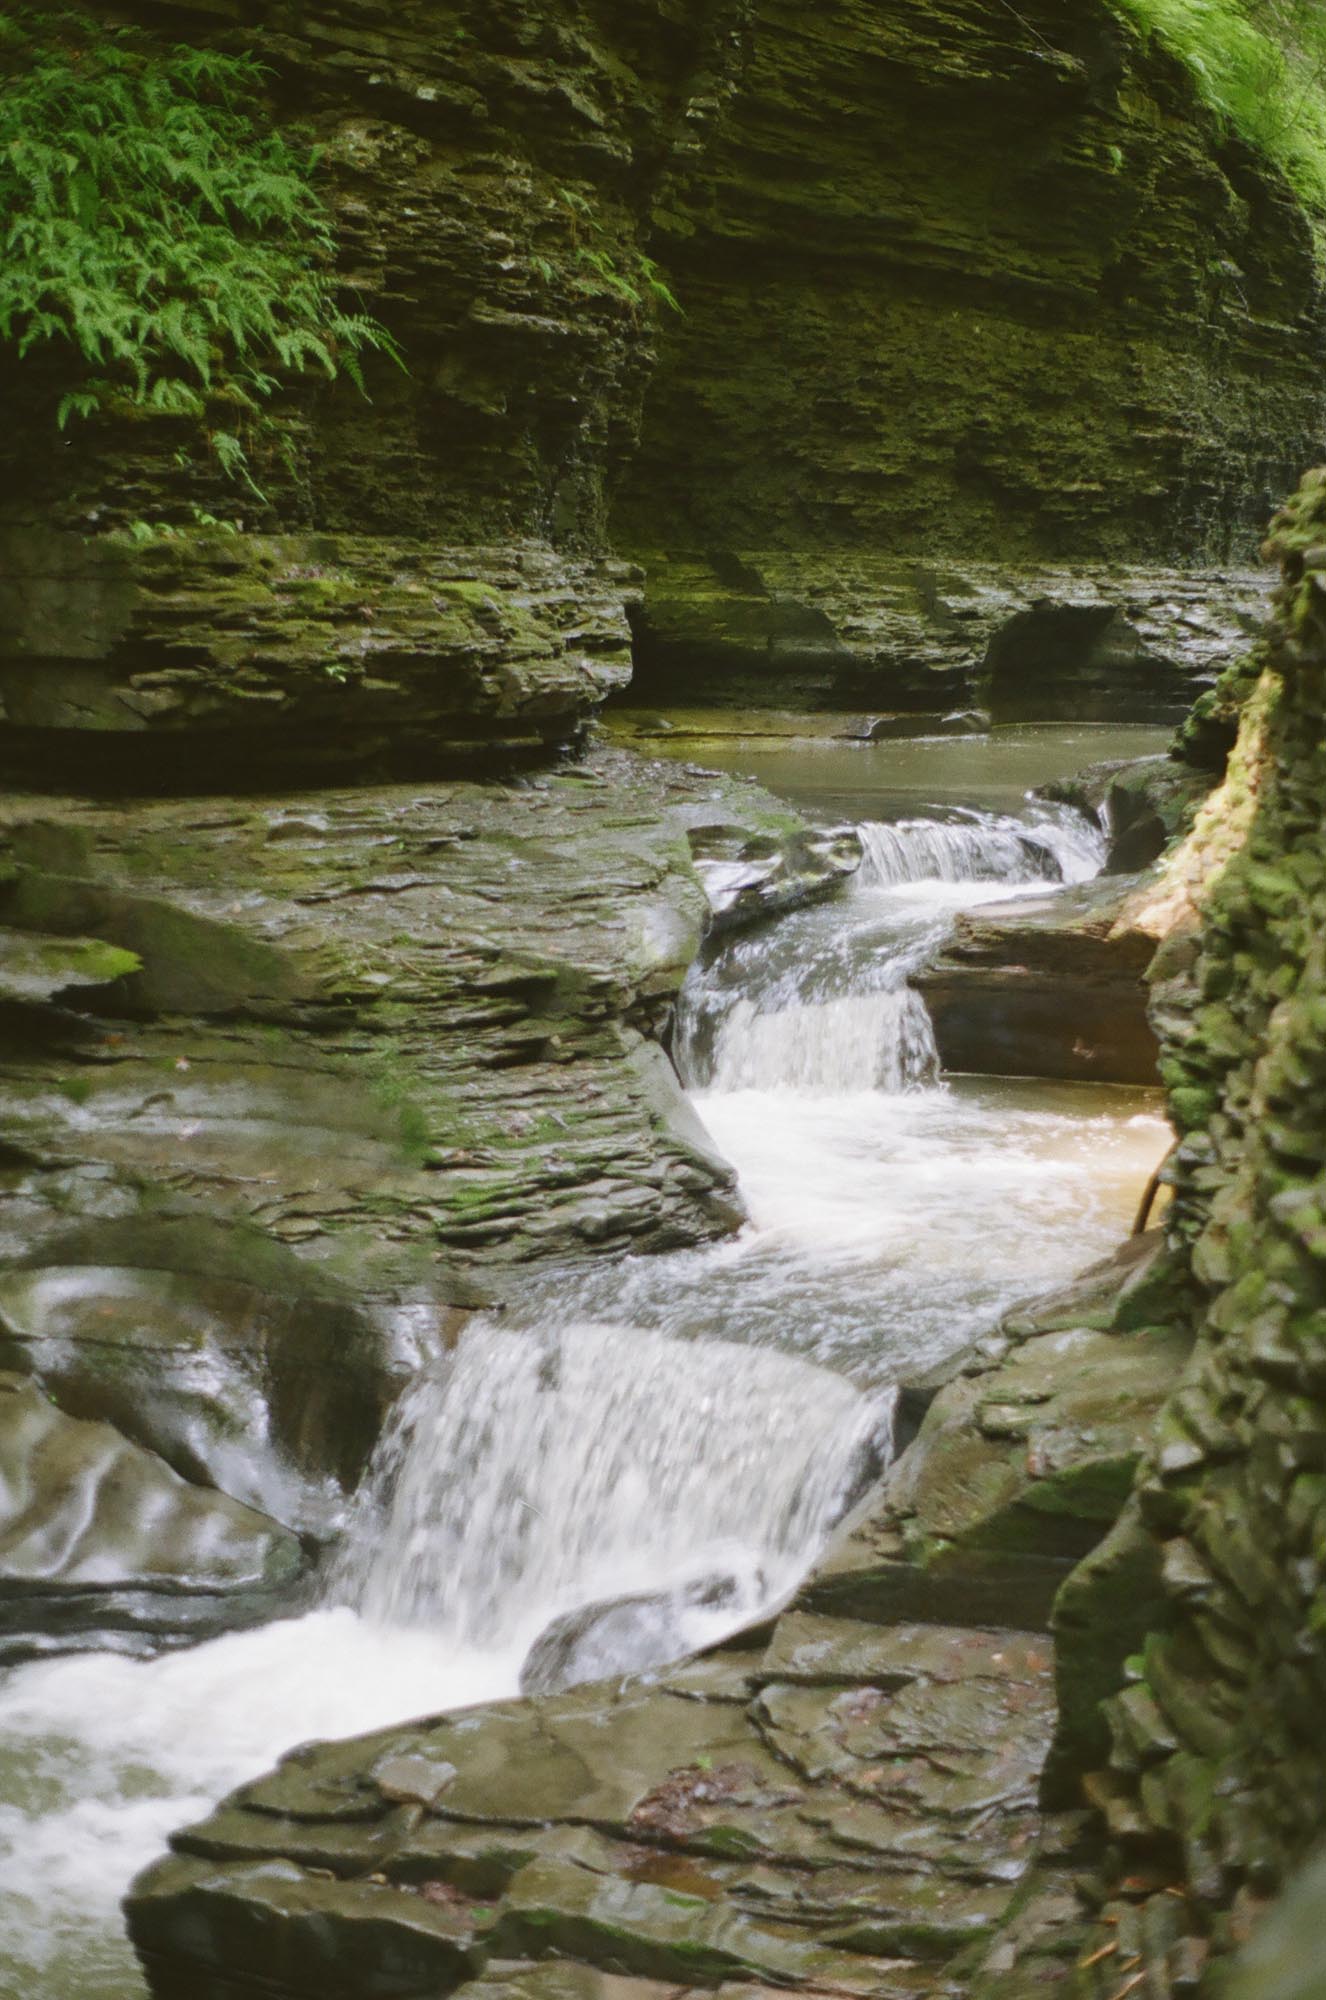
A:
(871, 1041)
(542, 1473)
(1048, 843)
(683, 1427)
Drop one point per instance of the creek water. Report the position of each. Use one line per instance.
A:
(686, 1426)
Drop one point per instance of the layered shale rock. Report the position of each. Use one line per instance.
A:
(1045, 340)
(844, 1804)
(988, 339)
(1052, 986)
(274, 1069)
(208, 655)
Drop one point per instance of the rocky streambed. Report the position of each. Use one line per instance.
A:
(295, 1154)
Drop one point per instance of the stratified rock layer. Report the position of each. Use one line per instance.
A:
(844, 1806)
(992, 349)
(1050, 986)
(254, 654)
(272, 1069)
(980, 316)
(1215, 1776)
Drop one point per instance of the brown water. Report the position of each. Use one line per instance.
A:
(832, 777)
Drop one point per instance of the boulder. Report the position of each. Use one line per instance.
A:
(1143, 803)
(1052, 986)
(102, 1545)
(620, 1636)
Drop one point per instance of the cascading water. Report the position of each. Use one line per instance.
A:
(1051, 844)
(684, 1426)
(546, 1471)
(863, 1041)
(821, 1004)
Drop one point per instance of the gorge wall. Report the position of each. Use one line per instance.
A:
(993, 350)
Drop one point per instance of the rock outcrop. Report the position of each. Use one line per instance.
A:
(1049, 986)
(277, 1073)
(843, 1804)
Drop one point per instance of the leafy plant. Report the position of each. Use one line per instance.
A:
(155, 227)
(1261, 66)
(641, 278)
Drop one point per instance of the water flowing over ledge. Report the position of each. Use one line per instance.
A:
(550, 1470)
(666, 1440)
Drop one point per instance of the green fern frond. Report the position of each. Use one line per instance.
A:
(154, 224)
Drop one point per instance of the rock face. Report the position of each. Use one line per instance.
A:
(1051, 986)
(950, 225)
(1045, 340)
(256, 655)
(845, 1805)
(1213, 1784)
(101, 1544)
(927, 638)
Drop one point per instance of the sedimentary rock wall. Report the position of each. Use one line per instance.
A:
(1214, 1782)
(971, 293)
(968, 295)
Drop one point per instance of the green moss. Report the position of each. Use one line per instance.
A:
(1258, 64)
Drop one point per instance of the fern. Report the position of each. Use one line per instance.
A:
(158, 231)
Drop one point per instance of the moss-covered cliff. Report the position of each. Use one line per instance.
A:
(1213, 1790)
(969, 291)
(988, 327)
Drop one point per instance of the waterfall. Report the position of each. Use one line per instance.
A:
(821, 1009)
(1051, 844)
(549, 1469)
(864, 1041)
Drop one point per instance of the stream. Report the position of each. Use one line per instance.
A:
(688, 1426)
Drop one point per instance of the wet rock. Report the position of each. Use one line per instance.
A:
(244, 1366)
(847, 1833)
(390, 1024)
(1143, 804)
(1020, 1466)
(749, 877)
(837, 631)
(37, 969)
(1050, 987)
(620, 1636)
(262, 655)
(102, 1545)
(284, 1930)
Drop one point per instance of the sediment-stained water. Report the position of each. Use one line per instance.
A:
(655, 1424)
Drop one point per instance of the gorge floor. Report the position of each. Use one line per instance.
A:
(894, 1215)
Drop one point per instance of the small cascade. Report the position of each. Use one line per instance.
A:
(863, 1041)
(1050, 844)
(819, 1005)
(559, 1467)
